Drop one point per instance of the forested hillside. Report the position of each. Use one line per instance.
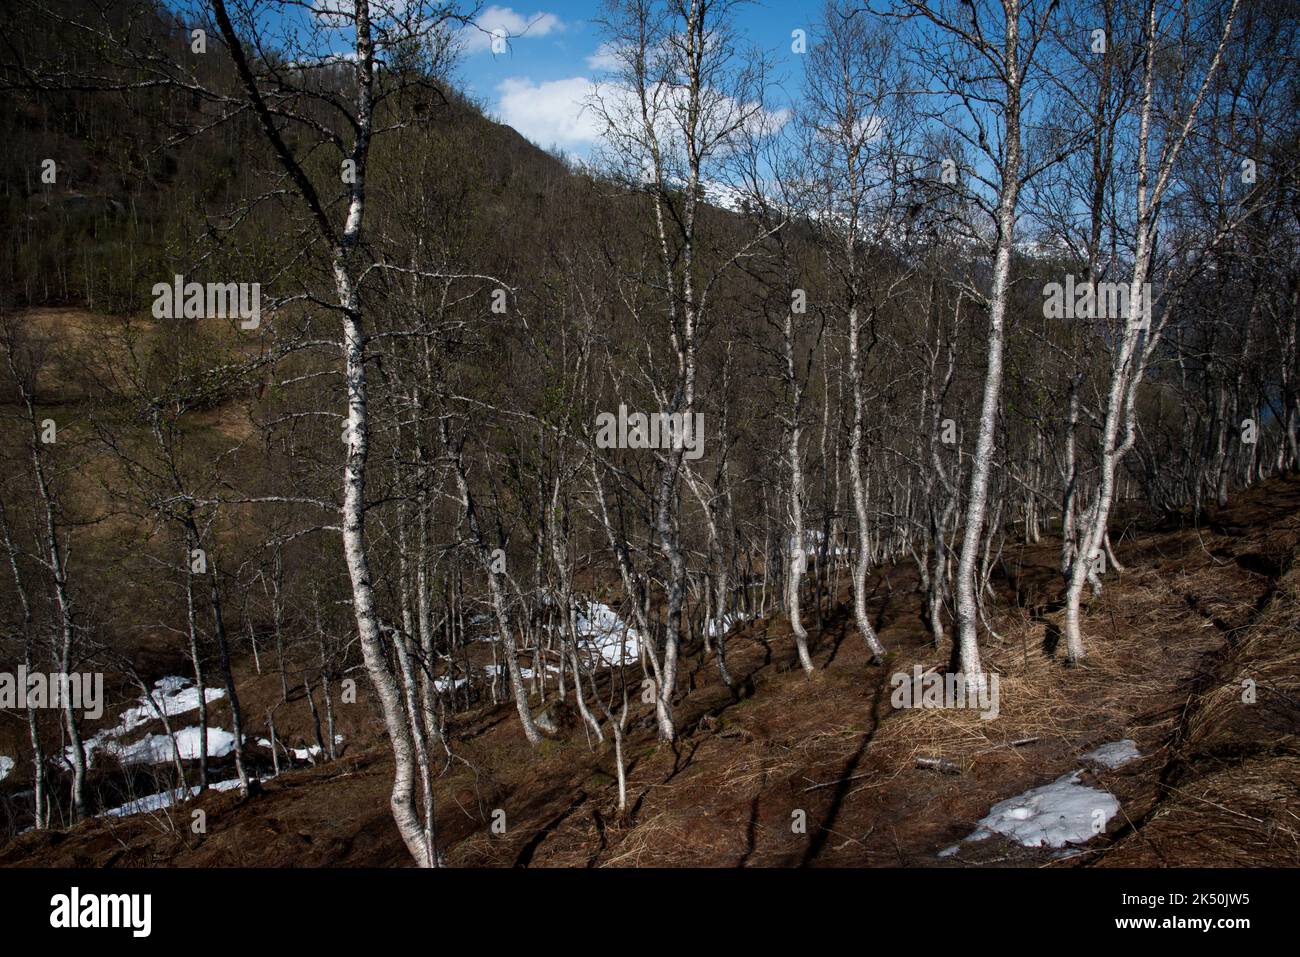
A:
(845, 482)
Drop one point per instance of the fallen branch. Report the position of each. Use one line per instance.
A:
(1020, 742)
(938, 764)
(826, 784)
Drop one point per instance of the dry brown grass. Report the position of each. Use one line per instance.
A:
(1169, 644)
(645, 842)
(1233, 794)
(1038, 698)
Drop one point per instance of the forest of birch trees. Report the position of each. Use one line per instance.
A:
(969, 274)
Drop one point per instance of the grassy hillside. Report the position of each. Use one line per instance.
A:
(1216, 783)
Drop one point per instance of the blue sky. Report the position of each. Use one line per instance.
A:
(539, 84)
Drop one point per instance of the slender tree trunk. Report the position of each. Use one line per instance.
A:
(33, 723)
(196, 657)
(863, 566)
(358, 437)
(498, 595)
(986, 436)
(232, 695)
(799, 547)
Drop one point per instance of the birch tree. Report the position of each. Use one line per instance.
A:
(23, 361)
(271, 96)
(1155, 163)
(856, 132)
(678, 99)
(1000, 43)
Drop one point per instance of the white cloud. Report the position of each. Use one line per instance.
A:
(605, 58)
(343, 13)
(553, 112)
(504, 22)
(562, 112)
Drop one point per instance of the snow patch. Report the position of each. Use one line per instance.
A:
(157, 748)
(601, 630)
(302, 754)
(1114, 755)
(172, 695)
(156, 802)
(601, 633)
(1056, 814)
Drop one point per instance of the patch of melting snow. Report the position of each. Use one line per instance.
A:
(172, 695)
(1114, 755)
(603, 631)
(156, 802)
(1060, 813)
(157, 748)
(600, 631)
(1056, 814)
(302, 754)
